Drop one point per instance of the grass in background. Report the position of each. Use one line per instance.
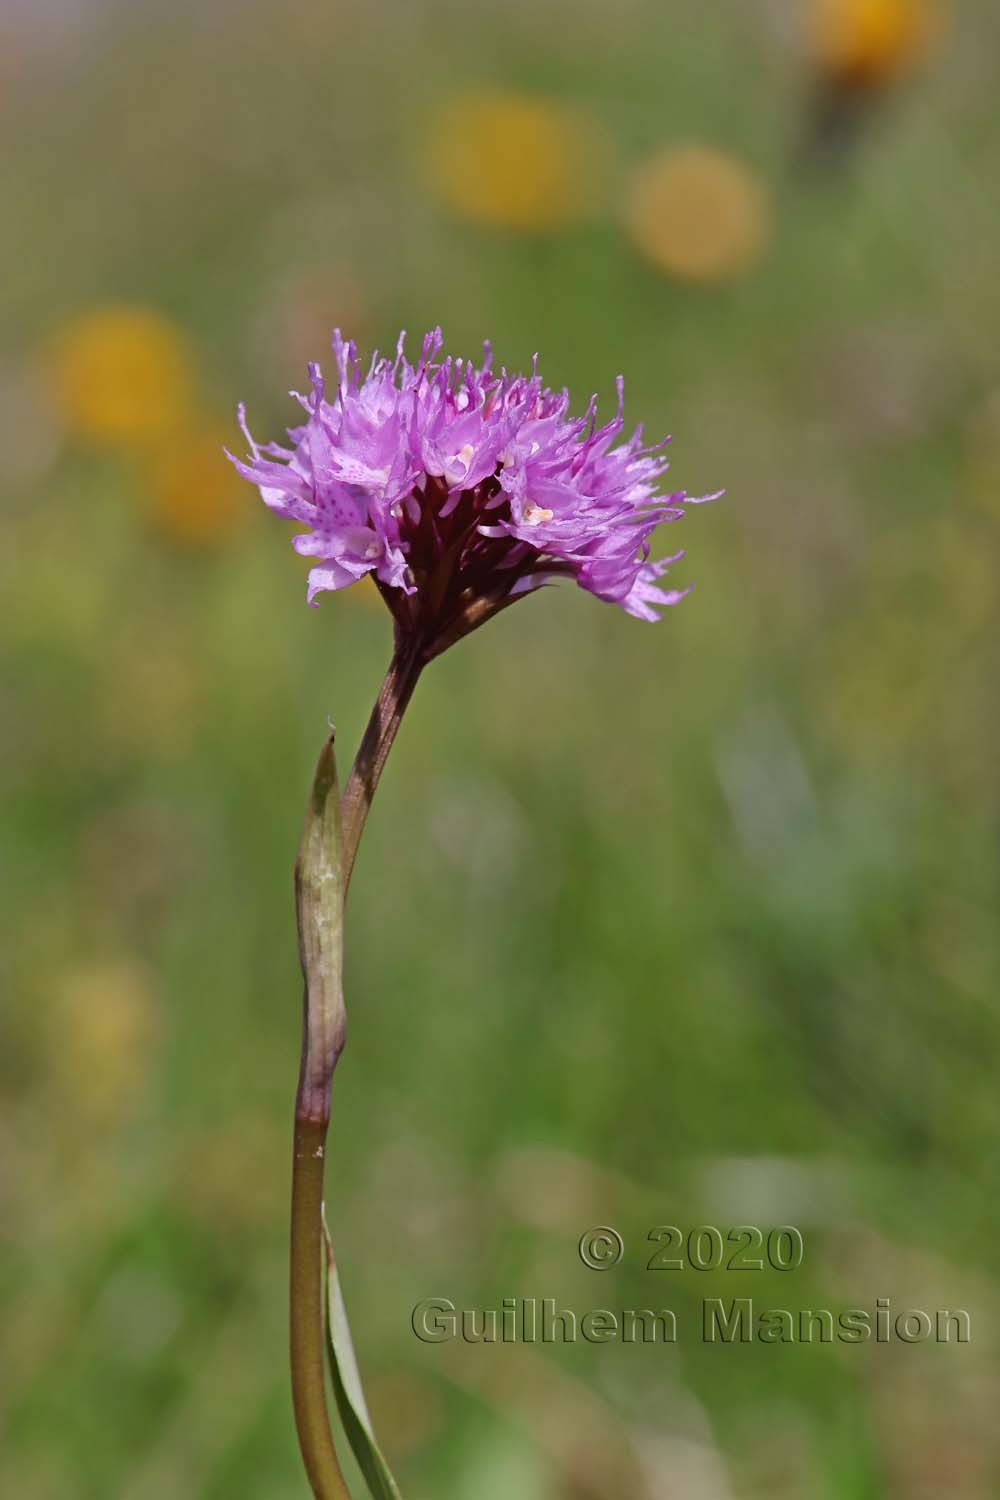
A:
(688, 924)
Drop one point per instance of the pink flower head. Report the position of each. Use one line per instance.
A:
(461, 490)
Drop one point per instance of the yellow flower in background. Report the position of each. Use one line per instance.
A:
(123, 375)
(195, 496)
(511, 161)
(105, 1023)
(698, 214)
(868, 42)
(126, 378)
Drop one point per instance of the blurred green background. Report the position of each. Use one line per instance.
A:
(683, 924)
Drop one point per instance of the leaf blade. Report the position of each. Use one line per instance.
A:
(348, 1390)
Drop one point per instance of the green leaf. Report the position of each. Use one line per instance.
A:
(347, 1388)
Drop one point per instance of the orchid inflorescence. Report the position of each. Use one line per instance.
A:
(461, 490)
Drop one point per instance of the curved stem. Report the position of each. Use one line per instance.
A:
(395, 693)
(319, 904)
(312, 1419)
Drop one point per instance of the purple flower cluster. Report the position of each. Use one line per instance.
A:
(461, 490)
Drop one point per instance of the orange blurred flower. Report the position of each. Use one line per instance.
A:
(123, 375)
(196, 497)
(867, 42)
(697, 213)
(511, 161)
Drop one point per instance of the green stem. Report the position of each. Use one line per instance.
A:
(308, 1353)
(395, 693)
(319, 910)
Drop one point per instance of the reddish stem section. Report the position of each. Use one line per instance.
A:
(395, 693)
